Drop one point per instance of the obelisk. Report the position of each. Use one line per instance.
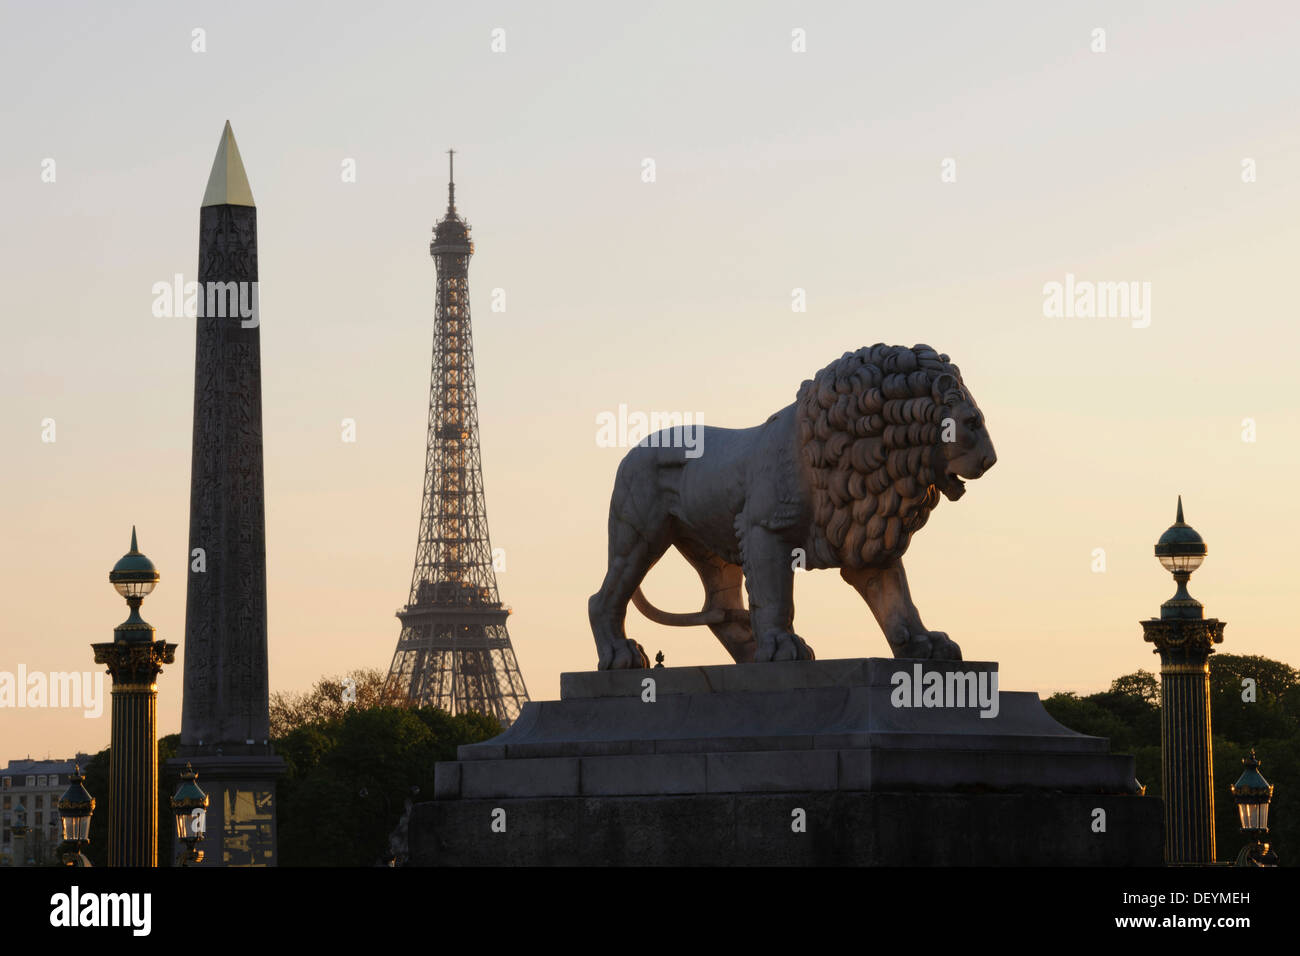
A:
(225, 715)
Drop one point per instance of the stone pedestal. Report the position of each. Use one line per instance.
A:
(861, 761)
(240, 820)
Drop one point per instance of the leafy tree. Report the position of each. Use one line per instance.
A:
(349, 778)
(1143, 684)
(332, 697)
(1273, 713)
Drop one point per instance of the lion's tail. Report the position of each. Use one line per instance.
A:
(709, 615)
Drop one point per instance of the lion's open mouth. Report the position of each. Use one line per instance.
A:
(952, 486)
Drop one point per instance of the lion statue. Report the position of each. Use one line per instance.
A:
(842, 478)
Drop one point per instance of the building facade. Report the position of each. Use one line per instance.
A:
(35, 786)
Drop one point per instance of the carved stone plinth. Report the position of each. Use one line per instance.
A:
(241, 815)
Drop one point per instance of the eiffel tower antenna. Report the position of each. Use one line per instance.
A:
(451, 181)
(454, 651)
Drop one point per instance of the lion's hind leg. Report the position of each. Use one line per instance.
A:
(636, 541)
(722, 582)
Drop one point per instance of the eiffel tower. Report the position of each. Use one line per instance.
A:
(454, 651)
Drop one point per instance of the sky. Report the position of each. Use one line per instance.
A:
(921, 171)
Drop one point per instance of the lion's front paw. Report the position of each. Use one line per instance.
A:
(925, 645)
(783, 646)
(623, 654)
(944, 647)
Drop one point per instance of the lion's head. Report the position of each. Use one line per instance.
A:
(884, 431)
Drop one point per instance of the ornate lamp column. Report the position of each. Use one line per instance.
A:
(1184, 638)
(134, 659)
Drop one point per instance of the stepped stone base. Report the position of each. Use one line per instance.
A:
(842, 829)
(717, 765)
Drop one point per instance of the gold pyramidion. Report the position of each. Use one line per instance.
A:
(228, 183)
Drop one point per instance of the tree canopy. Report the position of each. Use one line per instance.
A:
(332, 697)
(350, 775)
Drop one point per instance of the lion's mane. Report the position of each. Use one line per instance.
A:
(869, 424)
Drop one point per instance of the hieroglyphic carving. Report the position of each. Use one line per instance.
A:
(225, 622)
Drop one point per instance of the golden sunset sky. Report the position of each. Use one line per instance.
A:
(775, 170)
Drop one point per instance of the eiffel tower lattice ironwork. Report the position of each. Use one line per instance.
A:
(454, 651)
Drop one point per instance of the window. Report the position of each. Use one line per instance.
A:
(40, 781)
(8, 802)
(8, 782)
(31, 781)
(40, 819)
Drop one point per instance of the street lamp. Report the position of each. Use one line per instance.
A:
(1253, 794)
(75, 808)
(190, 804)
(1181, 550)
(134, 659)
(1184, 638)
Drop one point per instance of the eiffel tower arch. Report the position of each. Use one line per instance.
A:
(454, 651)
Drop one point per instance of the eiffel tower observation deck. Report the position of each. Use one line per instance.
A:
(454, 651)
